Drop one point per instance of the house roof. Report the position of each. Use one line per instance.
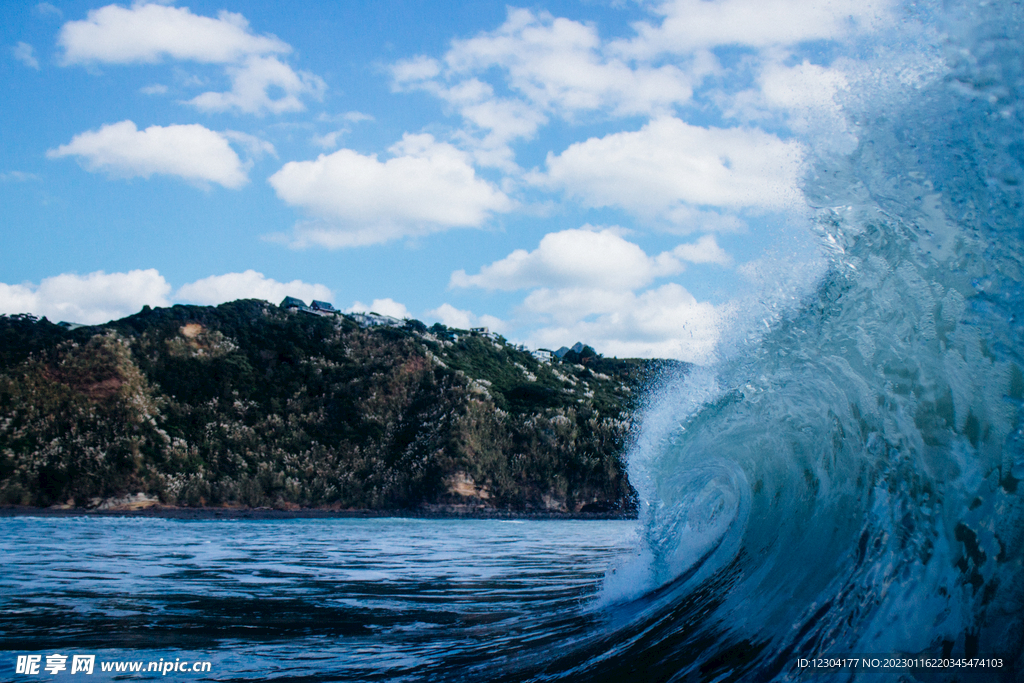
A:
(290, 301)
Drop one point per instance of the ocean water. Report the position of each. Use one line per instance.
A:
(299, 600)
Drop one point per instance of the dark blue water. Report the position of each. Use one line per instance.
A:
(343, 599)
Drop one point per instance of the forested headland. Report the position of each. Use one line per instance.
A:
(246, 404)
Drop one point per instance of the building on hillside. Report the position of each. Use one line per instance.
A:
(484, 332)
(290, 303)
(543, 355)
(323, 308)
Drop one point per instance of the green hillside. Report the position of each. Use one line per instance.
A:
(247, 404)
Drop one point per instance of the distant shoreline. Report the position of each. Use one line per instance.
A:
(207, 513)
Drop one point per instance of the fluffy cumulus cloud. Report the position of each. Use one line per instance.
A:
(218, 289)
(425, 186)
(551, 66)
(192, 152)
(669, 167)
(251, 85)
(149, 33)
(89, 299)
(101, 297)
(559, 65)
(664, 322)
(589, 285)
(689, 25)
(507, 83)
(152, 33)
(589, 259)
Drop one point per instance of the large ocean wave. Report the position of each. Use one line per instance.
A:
(846, 478)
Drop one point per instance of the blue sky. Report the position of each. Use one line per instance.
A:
(622, 173)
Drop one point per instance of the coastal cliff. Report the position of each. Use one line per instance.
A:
(246, 404)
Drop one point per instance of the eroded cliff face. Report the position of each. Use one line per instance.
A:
(244, 404)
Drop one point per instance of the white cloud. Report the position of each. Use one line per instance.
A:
(46, 9)
(689, 219)
(552, 66)
(666, 322)
(100, 297)
(574, 258)
(426, 186)
(383, 306)
(804, 86)
(806, 96)
(704, 250)
(17, 176)
(507, 83)
(669, 167)
(503, 120)
(558, 64)
(448, 315)
(155, 89)
(690, 25)
(415, 70)
(328, 140)
(255, 148)
(587, 258)
(149, 33)
(356, 116)
(25, 54)
(584, 287)
(90, 299)
(252, 83)
(191, 152)
(218, 289)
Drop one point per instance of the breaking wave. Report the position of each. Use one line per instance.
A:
(847, 479)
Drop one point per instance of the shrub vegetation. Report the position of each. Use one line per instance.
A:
(246, 404)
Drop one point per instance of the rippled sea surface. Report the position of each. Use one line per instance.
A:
(338, 599)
